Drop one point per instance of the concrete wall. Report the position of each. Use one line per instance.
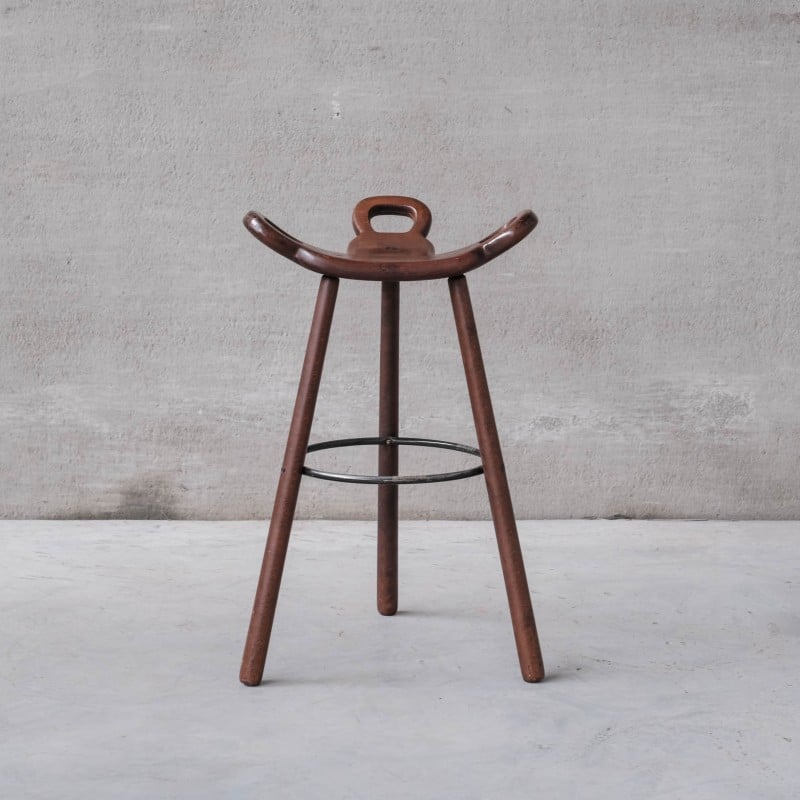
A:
(643, 344)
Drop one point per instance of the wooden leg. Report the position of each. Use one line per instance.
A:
(388, 422)
(519, 599)
(280, 526)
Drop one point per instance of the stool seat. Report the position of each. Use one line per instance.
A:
(382, 256)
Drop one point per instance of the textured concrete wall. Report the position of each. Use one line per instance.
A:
(643, 345)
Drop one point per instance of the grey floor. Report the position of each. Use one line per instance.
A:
(672, 650)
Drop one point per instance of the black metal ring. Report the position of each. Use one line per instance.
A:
(393, 479)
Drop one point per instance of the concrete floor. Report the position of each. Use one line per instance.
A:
(671, 647)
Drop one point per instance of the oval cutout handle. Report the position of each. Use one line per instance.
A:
(393, 205)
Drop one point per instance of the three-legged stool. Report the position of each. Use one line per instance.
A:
(391, 258)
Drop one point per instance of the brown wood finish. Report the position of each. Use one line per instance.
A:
(390, 258)
(388, 455)
(519, 599)
(370, 207)
(280, 526)
(375, 256)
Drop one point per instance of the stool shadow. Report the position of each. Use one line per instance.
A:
(377, 681)
(442, 613)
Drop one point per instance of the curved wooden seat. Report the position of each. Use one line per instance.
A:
(379, 256)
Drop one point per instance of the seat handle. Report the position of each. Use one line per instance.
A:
(394, 205)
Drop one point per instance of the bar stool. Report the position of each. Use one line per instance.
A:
(391, 258)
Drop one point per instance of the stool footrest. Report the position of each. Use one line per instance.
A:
(393, 441)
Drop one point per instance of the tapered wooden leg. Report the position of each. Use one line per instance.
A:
(388, 422)
(519, 599)
(280, 526)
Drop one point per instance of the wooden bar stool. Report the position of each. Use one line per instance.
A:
(391, 258)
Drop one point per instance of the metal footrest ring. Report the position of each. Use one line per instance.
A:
(393, 479)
